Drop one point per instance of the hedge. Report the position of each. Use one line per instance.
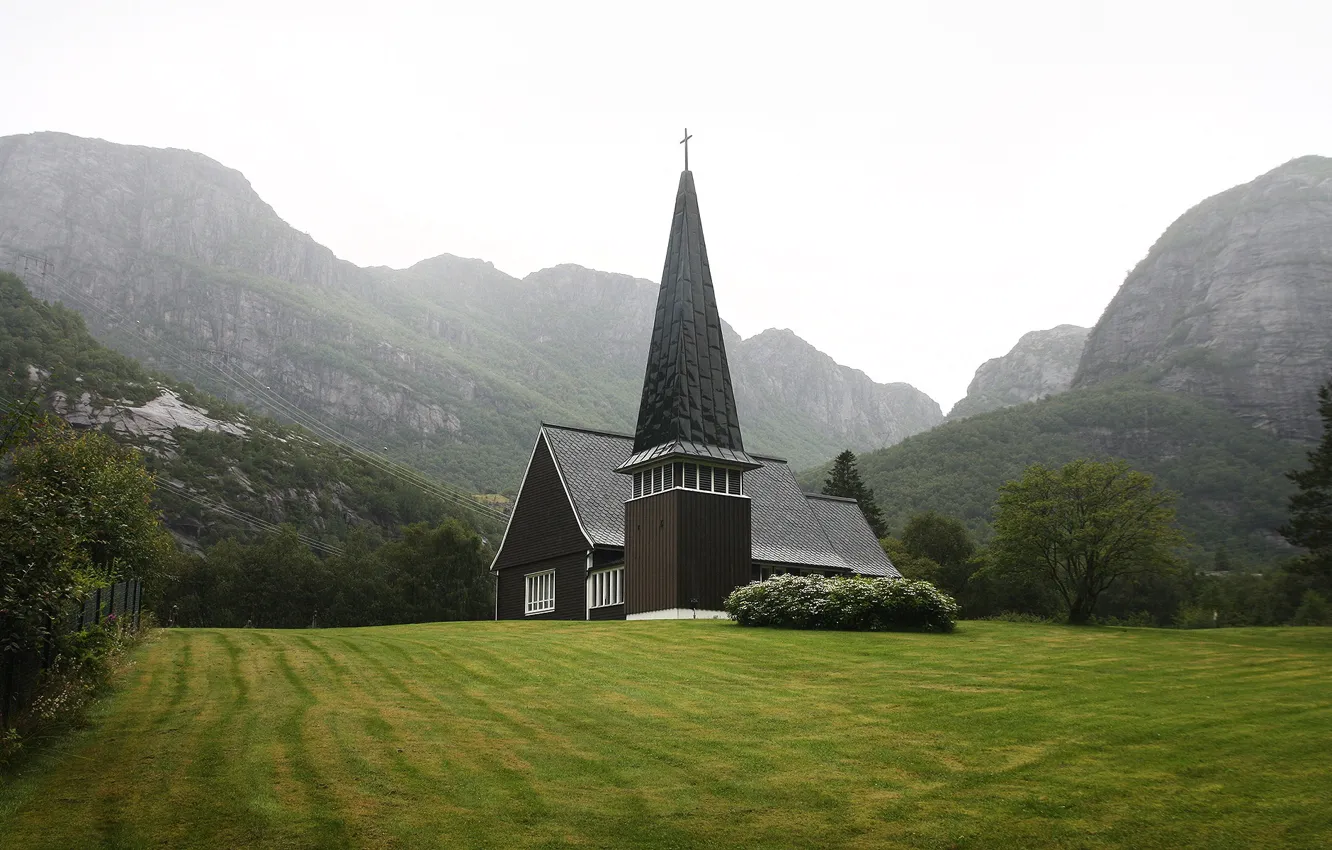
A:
(858, 604)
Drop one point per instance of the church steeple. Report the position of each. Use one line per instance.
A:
(688, 404)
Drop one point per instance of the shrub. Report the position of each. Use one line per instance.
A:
(1313, 611)
(858, 604)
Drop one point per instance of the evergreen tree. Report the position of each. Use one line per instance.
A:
(844, 480)
(1310, 525)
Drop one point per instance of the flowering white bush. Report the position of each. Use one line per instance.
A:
(856, 603)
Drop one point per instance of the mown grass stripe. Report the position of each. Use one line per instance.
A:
(699, 735)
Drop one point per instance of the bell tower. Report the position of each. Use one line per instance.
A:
(687, 536)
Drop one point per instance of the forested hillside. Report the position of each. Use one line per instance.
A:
(1229, 476)
(220, 468)
(449, 365)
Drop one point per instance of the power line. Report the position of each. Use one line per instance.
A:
(253, 521)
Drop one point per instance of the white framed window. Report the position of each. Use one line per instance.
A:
(539, 592)
(605, 587)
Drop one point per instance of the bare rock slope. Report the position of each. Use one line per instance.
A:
(1234, 302)
(1041, 364)
(450, 364)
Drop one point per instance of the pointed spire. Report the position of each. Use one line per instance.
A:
(688, 405)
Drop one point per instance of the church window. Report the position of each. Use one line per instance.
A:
(656, 479)
(606, 587)
(733, 482)
(705, 478)
(638, 484)
(691, 476)
(669, 477)
(539, 592)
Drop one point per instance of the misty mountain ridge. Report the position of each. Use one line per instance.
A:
(450, 363)
(1041, 364)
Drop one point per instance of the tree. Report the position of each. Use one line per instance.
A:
(911, 565)
(945, 541)
(1310, 525)
(1082, 527)
(76, 514)
(844, 480)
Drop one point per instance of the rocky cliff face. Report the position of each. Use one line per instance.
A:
(1234, 302)
(778, 375)
(1041, 364)
(450, 364)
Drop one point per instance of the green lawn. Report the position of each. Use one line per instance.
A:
(698, 734)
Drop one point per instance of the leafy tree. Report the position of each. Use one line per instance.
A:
(1313, 611)
(911, 565)
(1083, 527)
(945, 541)
(1310, 525)
(844, 480)
(76, 514)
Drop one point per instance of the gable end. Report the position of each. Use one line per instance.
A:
(543, 524)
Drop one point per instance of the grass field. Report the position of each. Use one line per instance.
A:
(697, 734)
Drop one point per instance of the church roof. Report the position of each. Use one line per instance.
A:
(850, 534)
(687, 401)
(788, 526)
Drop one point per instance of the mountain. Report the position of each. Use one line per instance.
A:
(784, 380)
(449, 365)
(1041, 364)
(214, 461)
(1234, 303)
(1229, 475)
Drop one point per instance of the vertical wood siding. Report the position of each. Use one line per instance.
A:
(543, 524)
(570, 589)
(716, 547)
(685, 549)
(610, 612)
(651, 552)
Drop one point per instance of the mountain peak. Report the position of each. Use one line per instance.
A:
(1234, 302)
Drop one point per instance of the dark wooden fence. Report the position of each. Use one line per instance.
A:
(124, 599)
(19, 671)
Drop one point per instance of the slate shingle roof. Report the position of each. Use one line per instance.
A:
(789, 527)
(687, 393)
(587, 462)
(850, 535)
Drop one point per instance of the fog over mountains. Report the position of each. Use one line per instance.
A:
(450, 364)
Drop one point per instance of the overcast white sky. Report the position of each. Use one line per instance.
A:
(908, 186)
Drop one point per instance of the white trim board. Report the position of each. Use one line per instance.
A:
(679, 614)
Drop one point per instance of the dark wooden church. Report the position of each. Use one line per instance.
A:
(667, 522)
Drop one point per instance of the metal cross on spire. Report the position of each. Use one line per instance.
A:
(685, 142)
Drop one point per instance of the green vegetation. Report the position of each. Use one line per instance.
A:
(931, 538)
(1227, 474)
(844, 480)
(1310, 525)
(75, 514)
(1083, 527)
(853, 603)
(698, 734)
(426, 574)
(277, 472)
